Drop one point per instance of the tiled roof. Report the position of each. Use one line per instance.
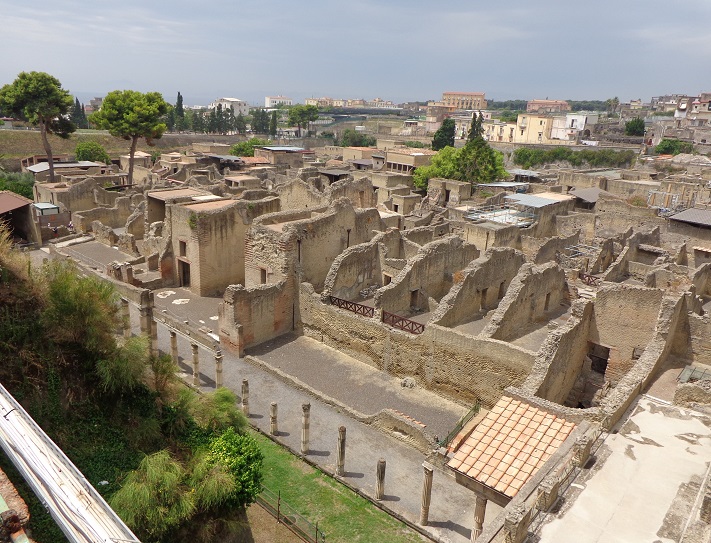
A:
(701, 217)
(510, 445)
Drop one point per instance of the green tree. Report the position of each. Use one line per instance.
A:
(240, 124)
(39, 98)
(444, 136)
(673, 147)
(92, 151)
(635, 127)
(444, 164)
(301, 115)
(179, 113)
(611, 105)
(19, 183)
(132, 115)
(351, 138)
(246, 148)
(273, 124)
(239, 454)
(77, 115)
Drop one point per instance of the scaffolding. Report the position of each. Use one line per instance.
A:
(521, 216)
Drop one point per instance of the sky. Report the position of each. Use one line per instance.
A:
(399, 50)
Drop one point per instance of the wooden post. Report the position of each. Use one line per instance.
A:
(380, 480)
(341, 451)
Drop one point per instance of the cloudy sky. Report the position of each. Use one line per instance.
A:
(398, 50)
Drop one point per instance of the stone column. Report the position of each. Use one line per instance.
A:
(126, 313)
(174, 347)
(154, 338)
(306, 409)
(479, 512)
(426, 493)
(218, 368)
(380, 480)
(273, 429)
(196, 364)
(146, 315)
(341, 451)
(245, 397)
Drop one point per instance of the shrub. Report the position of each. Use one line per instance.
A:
(240, 455)
(92, 151)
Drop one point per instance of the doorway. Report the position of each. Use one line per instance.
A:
(184, 273)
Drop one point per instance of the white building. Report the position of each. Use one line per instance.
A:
(569, 127)
(238, 106)
(276, 101)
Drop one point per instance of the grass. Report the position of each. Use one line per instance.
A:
(341, 514)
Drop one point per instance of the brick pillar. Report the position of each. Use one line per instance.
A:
(174, 346)
(196, 364)
(341, 451)
(426, 493)
(306, 412)
(218, 368)
(126, 316)
(380, 480)
(245, 397)
(273, 429)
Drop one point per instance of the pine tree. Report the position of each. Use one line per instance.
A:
(273, 124)
(444, 136)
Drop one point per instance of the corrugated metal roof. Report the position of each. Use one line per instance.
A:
(590, 195)
(530, 201)
(44, 166)
(701, 217)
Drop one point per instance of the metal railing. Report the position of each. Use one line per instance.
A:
(401, 323)
(589, 279)
(289, 517)
(473, 412)
(358, 309)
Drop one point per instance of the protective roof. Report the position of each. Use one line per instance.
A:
(510, 445)
(529, 200)
(700, 217)
(10, 200)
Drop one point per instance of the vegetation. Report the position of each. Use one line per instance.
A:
(476, 162)
(78, 115)
(673, 147)
(246, 148)
(39, 99)
(444, 136)
(273, 124)
(240, 124)
(416, 144)
(132, 115)
(301, 115)
(509, 116)
(634, 127)
(172, 459)
(91, 150)
(19, 183)
(351, 138)
(513, 105)
(260, 121)
(344, 516)
(530, 158)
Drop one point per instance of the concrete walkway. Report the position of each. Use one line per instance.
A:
(645, 484)
(451, 512)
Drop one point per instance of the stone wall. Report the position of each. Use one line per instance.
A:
(74, 197)
(485, 234)
(567, 225)
(483, 282)
(298, 194)
(115, 217)
(624, 318)
(560, 359)
(700, 344)
(213, 242)
(461, 367)
(356, 268)
(250, 316)
(541, 251)
(534, 292)
(431, 273)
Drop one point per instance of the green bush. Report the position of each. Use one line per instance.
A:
(530, 157)
(673, 147)
(19, 183)
(241, 456)
(92, 151)
(246, 148)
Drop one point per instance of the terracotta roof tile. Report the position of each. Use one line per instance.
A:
(510, 444)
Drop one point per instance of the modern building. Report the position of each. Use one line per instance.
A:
(235, 104)
(276, 101)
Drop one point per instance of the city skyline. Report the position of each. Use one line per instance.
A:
(402, 51)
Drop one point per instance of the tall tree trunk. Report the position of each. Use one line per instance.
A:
(47, 150)
(134, 143)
